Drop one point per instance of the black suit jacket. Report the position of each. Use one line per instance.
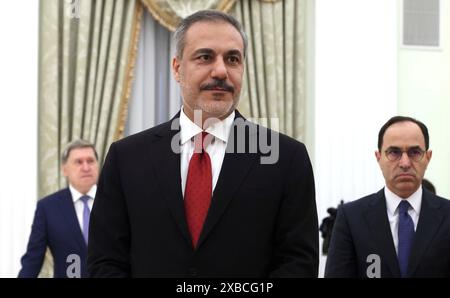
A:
(362, 228)
(262, 220)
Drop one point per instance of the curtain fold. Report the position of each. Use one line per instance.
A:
(85, 71)
(274, 82)
(155, 96)
(86, 59)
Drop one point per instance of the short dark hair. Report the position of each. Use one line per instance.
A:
(76, 145)
(204, 16)
(398, 119)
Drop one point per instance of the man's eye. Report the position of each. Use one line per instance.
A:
(395, 152)
(204, 57)
(233, 59)
(414, 152)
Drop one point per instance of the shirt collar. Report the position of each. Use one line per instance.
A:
(392, 200)
(220, 130)
(76, 195)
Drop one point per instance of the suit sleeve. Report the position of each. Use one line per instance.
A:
(341, 260)
(37, 246)
(296, 251)
(109, 237)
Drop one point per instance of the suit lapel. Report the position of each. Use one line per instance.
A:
(69, 214)
(378, 222)
(430, 219)
(167, 172)
(235, 168)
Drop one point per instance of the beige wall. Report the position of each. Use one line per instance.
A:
(424, 93)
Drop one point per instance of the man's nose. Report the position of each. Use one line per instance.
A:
(404, 162)
(85, 166)
(219, 70)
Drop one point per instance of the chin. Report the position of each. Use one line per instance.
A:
(217, 109)
(409, 189)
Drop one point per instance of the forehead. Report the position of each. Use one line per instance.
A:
(214, 35)
(403, 135)
(77, 153)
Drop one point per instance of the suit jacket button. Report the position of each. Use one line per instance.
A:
(193, 271)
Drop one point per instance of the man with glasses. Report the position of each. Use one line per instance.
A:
(403, 230)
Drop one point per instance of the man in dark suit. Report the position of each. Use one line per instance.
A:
(403, 230)
(61, 219)
(199, 196)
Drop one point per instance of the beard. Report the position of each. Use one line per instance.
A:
(218, 107)
(215, 105)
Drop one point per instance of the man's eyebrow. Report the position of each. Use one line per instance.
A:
(203, 51)
(398, 148)
(234, 52)
(211, 51)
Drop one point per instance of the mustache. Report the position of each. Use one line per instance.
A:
(217, 84)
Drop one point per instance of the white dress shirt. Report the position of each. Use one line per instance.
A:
(79, 206)
(392, 202)
(216, 149)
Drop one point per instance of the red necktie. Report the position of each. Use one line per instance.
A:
(197, 196)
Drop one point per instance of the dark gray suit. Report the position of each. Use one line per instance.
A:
(362, 228)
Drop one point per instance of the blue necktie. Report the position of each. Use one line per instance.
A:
(86, 213)
(405, 236)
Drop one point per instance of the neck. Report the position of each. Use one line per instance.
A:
(203, 119)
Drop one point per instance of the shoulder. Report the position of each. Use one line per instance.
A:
(142, 142)
(436, 200)
(147, 135)
(268, 134)
(267, 138)
(279, 149)
(54, 198)
(356, 206)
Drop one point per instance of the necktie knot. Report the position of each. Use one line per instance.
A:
(85, 199)
(403, 207)
(201, 141)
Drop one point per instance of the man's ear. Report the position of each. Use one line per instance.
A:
(428, 154)
(64, 170)
(378, 155)
(176, 68)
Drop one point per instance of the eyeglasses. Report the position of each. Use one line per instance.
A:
(414, 154)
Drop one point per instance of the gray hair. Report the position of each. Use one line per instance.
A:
(204, 16)
(77, 144)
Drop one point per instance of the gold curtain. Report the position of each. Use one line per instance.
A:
(274, 84)
(170, 12)
(86, 57)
